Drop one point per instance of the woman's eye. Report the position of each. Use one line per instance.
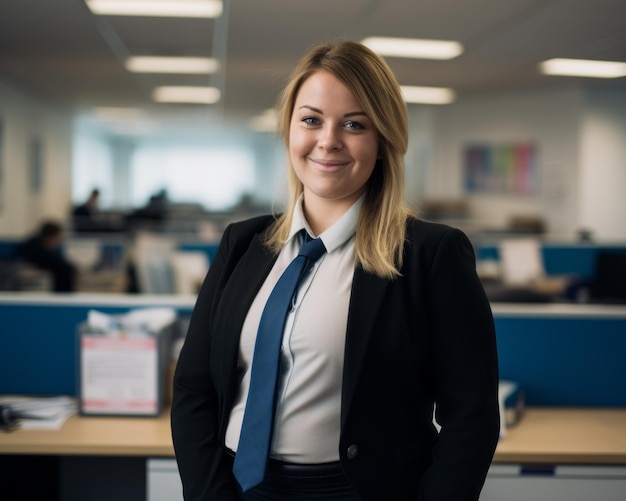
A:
(310, 121)
(354, 125)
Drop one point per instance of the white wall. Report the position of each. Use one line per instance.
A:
(603, 165)
(23, 119)
(549, 118)
(419, 157)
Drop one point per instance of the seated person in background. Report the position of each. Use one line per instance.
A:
(84, 215)
(152, 215)
(87, 218)
(43, 250)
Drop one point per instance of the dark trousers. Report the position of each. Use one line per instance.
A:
(290, 482)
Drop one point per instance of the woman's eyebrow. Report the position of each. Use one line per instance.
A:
(317, 110)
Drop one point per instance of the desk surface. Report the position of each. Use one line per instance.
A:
(562, 436)
(187, 301)
(545, 435)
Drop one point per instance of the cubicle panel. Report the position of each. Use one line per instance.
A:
(563, 355)
(209, 249)
(38, 347)
(7, 249)
(38, 342)
(564, 361)
(564, 260)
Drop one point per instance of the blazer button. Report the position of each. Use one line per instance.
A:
(352, 451)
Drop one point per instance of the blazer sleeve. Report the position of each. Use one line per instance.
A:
(194, 413)
(465, 374)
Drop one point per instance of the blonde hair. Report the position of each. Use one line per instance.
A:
(381, 228)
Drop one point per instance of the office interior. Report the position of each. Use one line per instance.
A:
(550, 245)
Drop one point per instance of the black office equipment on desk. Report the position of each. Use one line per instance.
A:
(609, 281)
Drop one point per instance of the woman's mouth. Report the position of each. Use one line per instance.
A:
(329, 164)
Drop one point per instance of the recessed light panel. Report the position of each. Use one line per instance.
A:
(427, 95)
(198, 95)
(158, 64)
(583, 68)
(414, 47)
(157, 8)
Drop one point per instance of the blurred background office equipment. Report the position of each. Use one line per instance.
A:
(520, 275)
(609, 280)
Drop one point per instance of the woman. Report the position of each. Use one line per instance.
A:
(390, 321)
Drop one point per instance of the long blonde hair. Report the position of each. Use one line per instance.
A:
(381, 228)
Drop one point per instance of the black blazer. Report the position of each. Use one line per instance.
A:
(425, 337)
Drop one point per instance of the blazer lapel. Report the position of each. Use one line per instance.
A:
(244, 284)
(367, 294)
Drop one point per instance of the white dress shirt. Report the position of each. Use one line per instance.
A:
(306, 427)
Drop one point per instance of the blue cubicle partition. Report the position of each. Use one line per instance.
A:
(564, 361)
(563, 355)
(7, 249)
(38, 343)
(209, 249)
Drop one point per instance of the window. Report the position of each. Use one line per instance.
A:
(213, 178)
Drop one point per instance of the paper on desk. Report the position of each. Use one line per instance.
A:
(41, 413)
(138, 320)
(511, 402)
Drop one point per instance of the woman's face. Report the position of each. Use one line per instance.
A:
(333, 144)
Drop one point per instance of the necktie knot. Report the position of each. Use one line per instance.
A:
(312, 249)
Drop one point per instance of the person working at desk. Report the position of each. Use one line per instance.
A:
(43, 250)
(389, 319)
(84, 215)
(87, 218)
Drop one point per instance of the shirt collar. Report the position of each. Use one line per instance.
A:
(335, 236)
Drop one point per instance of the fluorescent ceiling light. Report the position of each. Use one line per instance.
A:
(157, 64)
(116, 113)
(414, 47)
(157, 8)
(199, 95)
(265, 122)
(583, 68)
(427, 95)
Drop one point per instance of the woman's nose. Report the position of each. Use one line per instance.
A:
(330, 139)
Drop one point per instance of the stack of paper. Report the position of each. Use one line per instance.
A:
(512, 404)
(140, 321)
(43, 413)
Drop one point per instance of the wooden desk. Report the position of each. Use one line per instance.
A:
(566, 436)
(95, 436)
(545, 435)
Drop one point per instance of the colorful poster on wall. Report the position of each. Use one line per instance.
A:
(501, 169)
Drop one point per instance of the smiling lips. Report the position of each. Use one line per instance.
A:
(329, 165)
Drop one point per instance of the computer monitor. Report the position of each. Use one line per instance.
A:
(609, 281)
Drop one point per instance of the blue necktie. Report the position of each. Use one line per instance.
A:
(258, 419)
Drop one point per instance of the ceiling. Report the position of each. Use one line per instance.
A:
(60, 52)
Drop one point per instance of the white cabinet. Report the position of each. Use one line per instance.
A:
(554, 483)
(505, 482)
(163, 482)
